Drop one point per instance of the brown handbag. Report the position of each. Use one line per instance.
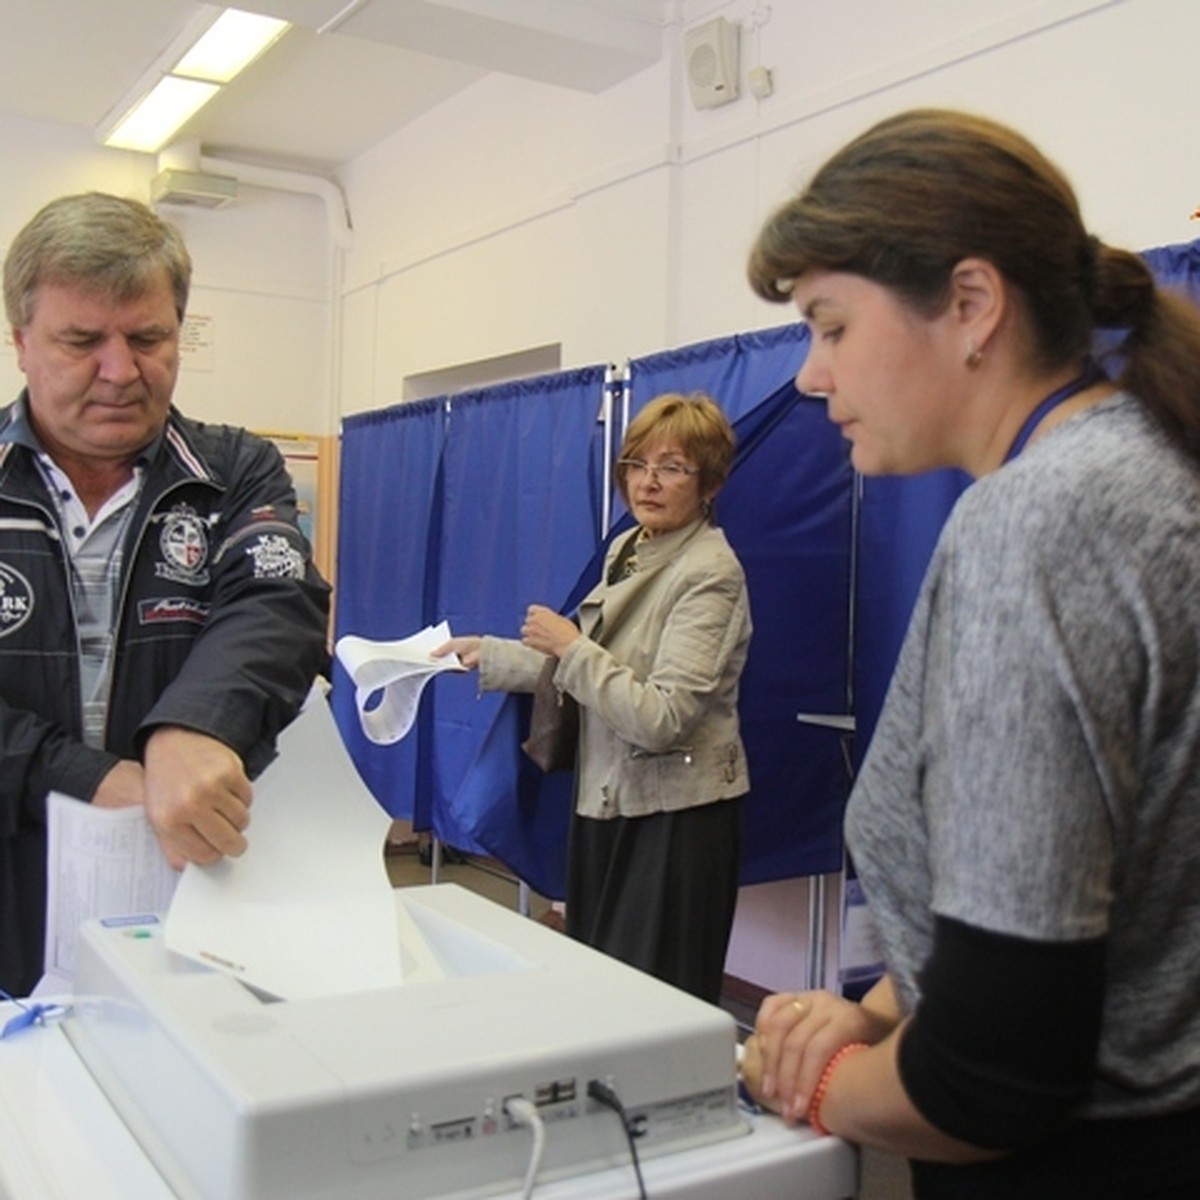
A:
(553, 725)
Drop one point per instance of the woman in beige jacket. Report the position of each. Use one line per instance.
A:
(654, 663)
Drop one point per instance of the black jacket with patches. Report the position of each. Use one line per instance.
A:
(221, 628)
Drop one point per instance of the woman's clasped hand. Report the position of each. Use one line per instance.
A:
(796, 1036)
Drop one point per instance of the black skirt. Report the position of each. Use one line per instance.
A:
(659, 892)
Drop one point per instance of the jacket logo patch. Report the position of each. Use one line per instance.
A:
(16, 600)
(172, 608)
(184, 545)
(276, 558)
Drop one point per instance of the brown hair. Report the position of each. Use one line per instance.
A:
(106, 244)
(695, 423)
(906, 201)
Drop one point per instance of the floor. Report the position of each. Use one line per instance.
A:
(885, 1177)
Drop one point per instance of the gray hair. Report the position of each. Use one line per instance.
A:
(109, 245)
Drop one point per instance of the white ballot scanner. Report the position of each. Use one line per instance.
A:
(400, 1091)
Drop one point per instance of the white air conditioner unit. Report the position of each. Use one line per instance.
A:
(192, 188)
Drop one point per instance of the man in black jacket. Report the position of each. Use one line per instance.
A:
(161, 620)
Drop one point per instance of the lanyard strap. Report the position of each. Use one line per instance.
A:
(1091, 375)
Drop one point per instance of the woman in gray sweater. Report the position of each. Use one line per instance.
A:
(1026, 819)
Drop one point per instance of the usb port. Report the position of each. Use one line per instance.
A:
(558, 1091)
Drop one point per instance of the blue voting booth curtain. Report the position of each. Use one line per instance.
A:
(900, 519)
(787, 511)
(390, 501)
(472, 508)
(1177, 266)
(521, 520)
(787, 508)
(432, 495)
(739, 372)
(526, 459)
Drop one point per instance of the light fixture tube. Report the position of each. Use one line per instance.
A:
(155, 118)
(182, 85)
(231, 44)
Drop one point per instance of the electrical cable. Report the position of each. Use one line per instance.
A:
(603, 1094)
(524, 1113)
(29, 1014)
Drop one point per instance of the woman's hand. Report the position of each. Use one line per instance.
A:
(795, 1036)
(548, 631)
(750, 1067)
(466, 647)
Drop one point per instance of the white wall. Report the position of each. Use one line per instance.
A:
(514, 216)
(520, 215)
(263, 280)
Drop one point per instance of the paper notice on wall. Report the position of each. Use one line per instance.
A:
(390, 676)
(198, 342)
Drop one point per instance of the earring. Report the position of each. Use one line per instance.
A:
(974, 357)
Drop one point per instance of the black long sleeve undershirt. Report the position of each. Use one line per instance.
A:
(1002, 1048)
(1001, 1053)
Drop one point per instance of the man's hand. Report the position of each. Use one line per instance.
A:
(123, 787)
(197, 796)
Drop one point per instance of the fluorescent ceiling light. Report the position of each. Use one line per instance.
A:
(235, 40)
(184, 80)
(154, 119)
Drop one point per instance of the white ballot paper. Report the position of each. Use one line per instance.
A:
(101, 862)
(308, 910)
(400, 670)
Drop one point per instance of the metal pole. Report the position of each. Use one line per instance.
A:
(816, 931)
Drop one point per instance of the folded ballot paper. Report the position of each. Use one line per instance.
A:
(308, 910)
(390, 676)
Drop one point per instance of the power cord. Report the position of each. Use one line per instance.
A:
(522, 1112)
(603, 1094)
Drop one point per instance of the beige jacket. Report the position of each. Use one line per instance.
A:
(656, 676)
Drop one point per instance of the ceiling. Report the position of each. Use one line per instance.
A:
(349, 74)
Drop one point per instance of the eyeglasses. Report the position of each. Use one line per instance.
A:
(668, 472)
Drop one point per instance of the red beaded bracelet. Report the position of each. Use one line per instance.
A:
(813, 1116)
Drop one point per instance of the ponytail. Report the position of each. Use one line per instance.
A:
(1160, 352)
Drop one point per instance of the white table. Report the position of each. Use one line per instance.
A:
(60, 1140)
